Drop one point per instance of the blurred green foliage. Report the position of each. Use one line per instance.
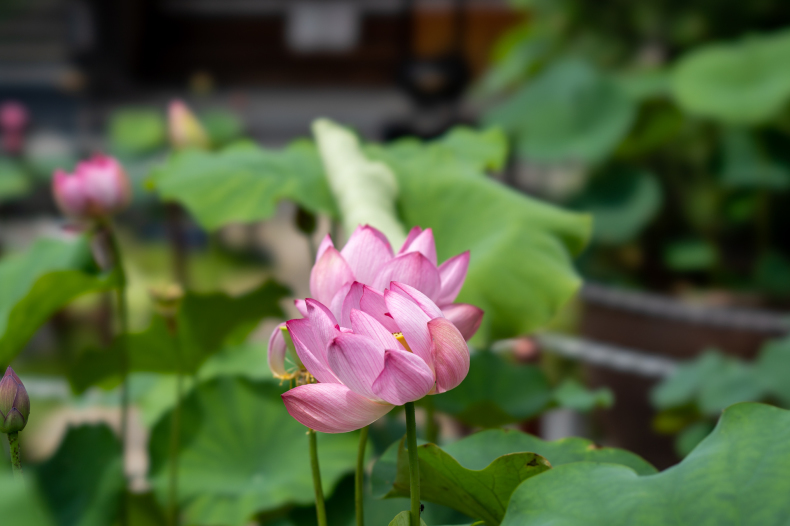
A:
(693, 397)
(690, 98)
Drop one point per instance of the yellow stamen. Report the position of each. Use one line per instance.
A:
(402, 340)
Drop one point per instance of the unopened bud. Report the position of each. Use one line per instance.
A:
(97, 188)
(185, 129)
(14, 403)
(167, 299)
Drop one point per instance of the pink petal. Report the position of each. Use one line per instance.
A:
(351, 302)
(336, 305)
(412, 269)
(357, 361)
(366, 252)
(422, 243)
(413, 233)
(329, 274)
(325, 243)
(465, 317)
(450, 354)
(373, 303)
(405, 378)
(301, 306)
(332, 408)
(452, 274)
(412, 322)
(366, 325)
(423, 301)
(322, 321)
(311, 350)
(277, 350)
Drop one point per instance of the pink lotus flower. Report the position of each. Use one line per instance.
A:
(97, 188)
(367, 265)
(366, 370)
(13, 116)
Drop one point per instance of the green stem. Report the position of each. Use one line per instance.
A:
(359, 479)
(175, 432)
(16, 458)
(414, 464)
(320, 508)
(123, 329)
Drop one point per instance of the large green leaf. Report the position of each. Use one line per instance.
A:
(477, 474)
(207, 322)
(40, 281)
(570, 112)
(83, 482)
(622, 204)
(242, 453)
(521, 269)
(737, 475)
(243, 182)
(744, 82)
(519, 392)
(365, 190)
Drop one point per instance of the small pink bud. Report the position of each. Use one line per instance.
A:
(14, 403)
(185, 128)
(97, 188)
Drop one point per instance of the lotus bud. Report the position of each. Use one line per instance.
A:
(14, 403)
(167, 300)
(13, 117)
(185, 128)
(98, 188)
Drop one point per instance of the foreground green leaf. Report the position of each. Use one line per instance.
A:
(243, 182)
(83, 482)
(477, 474)
(481, 493)
(737, 475)
(37, 283)
(242, 454)
(404, 519)
(206, 323)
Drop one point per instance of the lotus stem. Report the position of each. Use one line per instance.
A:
(16, 458)
(320, 508)
(359, 479)
(123, 329)
(414, 464)
(175, 432)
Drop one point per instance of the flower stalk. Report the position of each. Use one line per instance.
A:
(16, 458)
(123, 329)
(414, 464)
(359, 477)
(320, 507)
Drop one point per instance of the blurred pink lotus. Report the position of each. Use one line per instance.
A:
(97, 188)
(185, 129)
(357, 276)
(13, 116)
(366, 370)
